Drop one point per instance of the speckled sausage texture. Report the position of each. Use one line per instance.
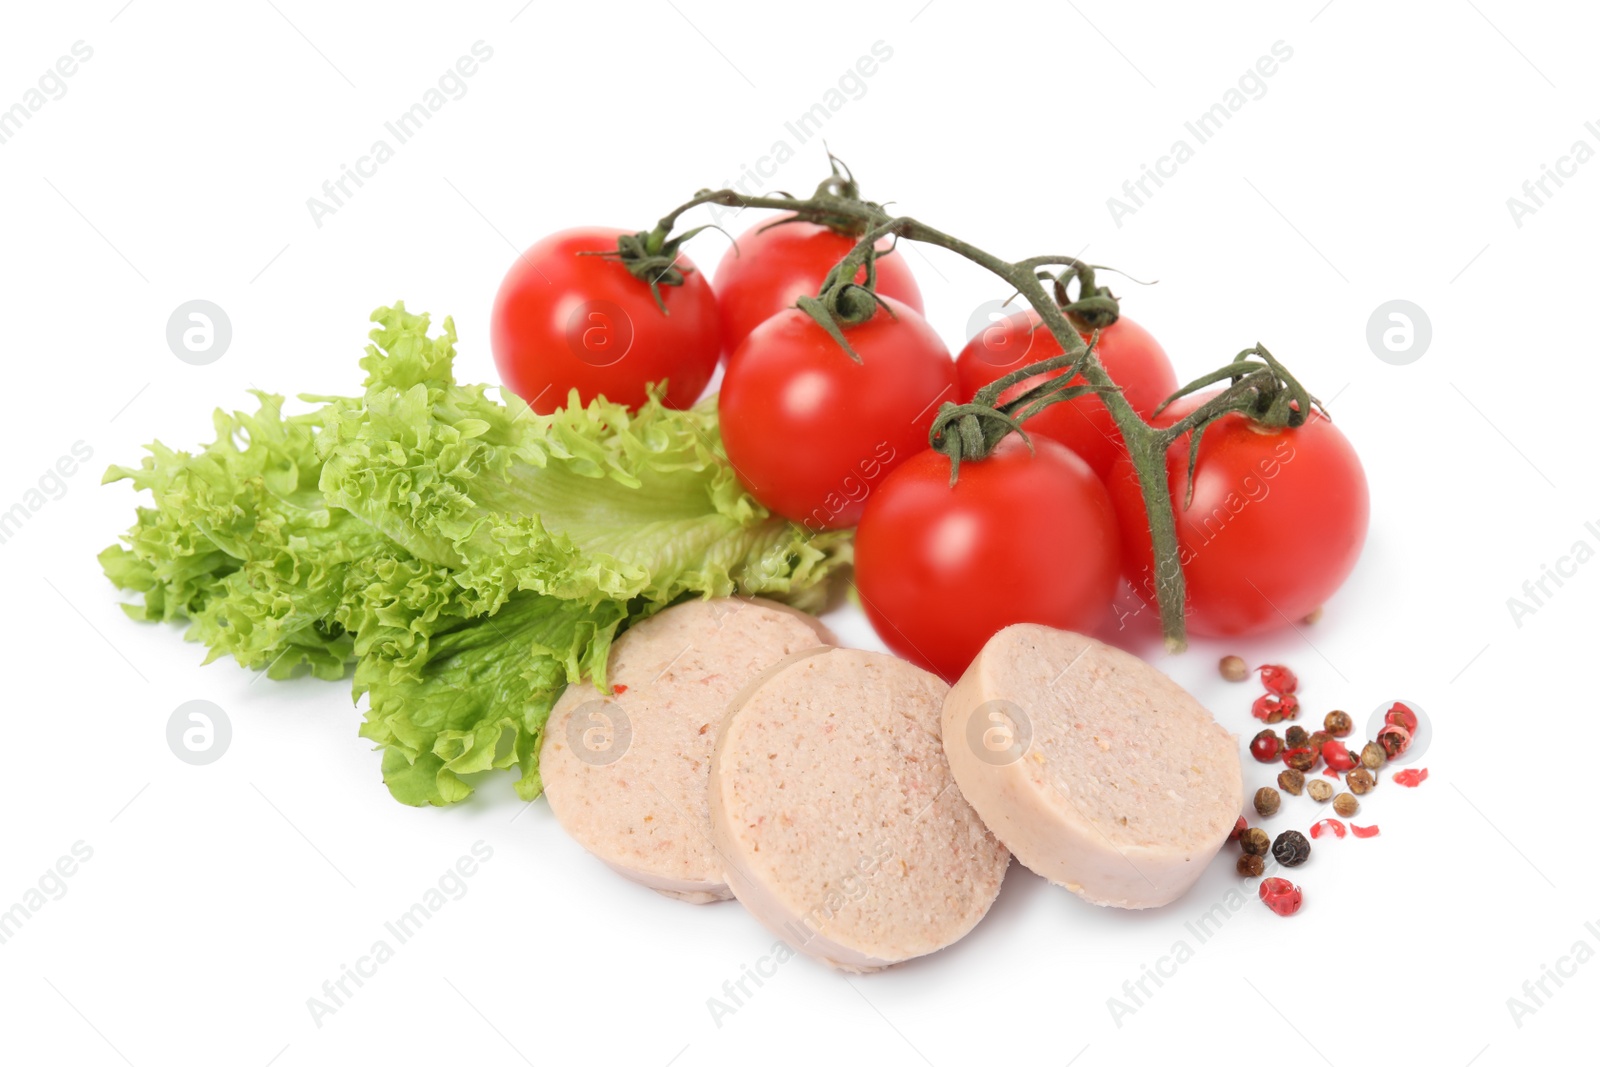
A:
(1098, 771)
(836, 815)
(626, 774)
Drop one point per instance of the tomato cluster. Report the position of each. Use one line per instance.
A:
(832, 436)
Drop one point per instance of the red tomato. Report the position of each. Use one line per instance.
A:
(1129, 354)
(566, 321)
(1277, 521)
(810, 431)
(1021, 537)
(774, 266)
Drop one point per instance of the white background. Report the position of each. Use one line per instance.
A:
(1376, 166)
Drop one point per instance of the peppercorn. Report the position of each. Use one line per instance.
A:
(1291, 848)
(1346, 805)
(1233, 668)
(1238, 828)
(1338, 723)
(1291, 781)
(1320, 790)
(1296, 736)
(1360, 781)
(1318, 739)
(1250, 866)
(1265, 746)
(1302, 759)
(1255, 841)
(1373, 756)
(1267, 800)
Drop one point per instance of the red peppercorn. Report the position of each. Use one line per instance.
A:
(1273, 707)
(1328, 826)
(1281, 895)
(1278, 679)
(1394, 739)
(1302, 759)
(1265, 746)
(1337, 756)
(1238, 828)
(1402, 716)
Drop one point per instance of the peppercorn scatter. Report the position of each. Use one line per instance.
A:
(1267, 801)
(1303, 752)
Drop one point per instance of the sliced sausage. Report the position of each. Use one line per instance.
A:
(626, 774)
(835, 812)
(1098, 771)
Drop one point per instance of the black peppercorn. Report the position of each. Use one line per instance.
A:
(1291, 848)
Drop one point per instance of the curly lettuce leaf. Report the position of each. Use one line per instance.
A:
(470, 558)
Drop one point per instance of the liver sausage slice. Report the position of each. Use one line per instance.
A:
(835, 812)
(1098, 771)
(626, 774)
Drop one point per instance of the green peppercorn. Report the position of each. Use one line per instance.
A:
(1338, 724)
(1360, 781)
(1267, 800)
(1250, 866)
(1296, 736)
(1346, 805)
(1319, 789)
(1373, 756)
(1291, 848)
(1291, 781)
(1255, 841)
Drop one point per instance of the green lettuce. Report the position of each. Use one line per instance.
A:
(468, 557)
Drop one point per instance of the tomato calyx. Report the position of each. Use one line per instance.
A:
(1096, 307)
(652, 257)
(971, 431)
(1259, 387)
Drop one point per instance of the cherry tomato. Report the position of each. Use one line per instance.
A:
(565, 321)
(1277, 521)
(1021, 537)
(1129, 354)
(810, 431)
(775, 265)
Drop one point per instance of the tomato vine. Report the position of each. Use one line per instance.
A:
(1259, 386)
